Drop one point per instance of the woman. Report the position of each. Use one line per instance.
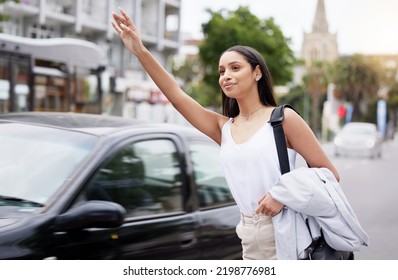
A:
(247, 145)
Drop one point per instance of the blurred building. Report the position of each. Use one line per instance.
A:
(319, 44)
(157, 20)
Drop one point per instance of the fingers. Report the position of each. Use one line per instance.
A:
(116, 27)
(120, 27)
(117, 23)
(261, 198)
(123, 18)
(118, 19)
(128, 20)
(265, 211)
(123, 23)
(268, 206)
(259, 209)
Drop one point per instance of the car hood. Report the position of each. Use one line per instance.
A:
(10, 215)
(7, 222)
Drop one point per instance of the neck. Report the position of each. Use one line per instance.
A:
(249, 114)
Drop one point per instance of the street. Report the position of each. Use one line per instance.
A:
(371, 186)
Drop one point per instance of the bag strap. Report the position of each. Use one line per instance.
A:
(276, 119)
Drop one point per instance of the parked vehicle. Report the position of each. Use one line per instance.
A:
(81, 186)
(358, 138)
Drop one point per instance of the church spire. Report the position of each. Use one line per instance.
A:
(320, 24)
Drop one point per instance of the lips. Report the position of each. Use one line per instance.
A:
(228, 85)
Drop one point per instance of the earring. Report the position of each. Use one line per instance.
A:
(257, 78)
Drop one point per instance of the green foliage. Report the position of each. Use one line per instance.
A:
(187, 71)
(316, 82)
(393, 103)
(358, 80)
(393, 96)
(240, 27)
(4, 17)
(295, 97)
(318, 77)
(204, 94)
(4, 1)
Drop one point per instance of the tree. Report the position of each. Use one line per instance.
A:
(189, 72)
(316, 81)
(226, 29)
(358, 80)
(391, 82)
(296, 98)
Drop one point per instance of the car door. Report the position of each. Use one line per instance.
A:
(146, 176)
(217, 211)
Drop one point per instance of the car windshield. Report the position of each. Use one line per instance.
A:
(35, 161)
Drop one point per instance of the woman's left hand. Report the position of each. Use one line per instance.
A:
(268, 206)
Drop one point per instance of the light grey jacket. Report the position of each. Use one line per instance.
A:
(313, 194)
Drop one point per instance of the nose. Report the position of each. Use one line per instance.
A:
(227, 76)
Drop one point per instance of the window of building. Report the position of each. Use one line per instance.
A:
(14, 82)
(41, 31)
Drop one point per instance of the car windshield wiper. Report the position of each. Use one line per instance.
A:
(16, 201)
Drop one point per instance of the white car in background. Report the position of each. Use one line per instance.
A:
(358, 138)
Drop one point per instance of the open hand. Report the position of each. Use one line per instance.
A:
(127, 31)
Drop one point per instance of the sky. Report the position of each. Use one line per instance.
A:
(362, 26)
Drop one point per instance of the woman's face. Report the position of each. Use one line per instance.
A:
(236, 75)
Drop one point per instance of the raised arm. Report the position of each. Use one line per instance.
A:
(208, 122)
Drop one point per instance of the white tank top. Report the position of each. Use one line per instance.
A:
(251, 168)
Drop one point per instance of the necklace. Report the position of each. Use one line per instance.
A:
(248, 115)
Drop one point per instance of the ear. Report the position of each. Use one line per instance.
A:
(257, 73)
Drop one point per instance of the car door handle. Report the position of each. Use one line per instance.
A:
(187, 239)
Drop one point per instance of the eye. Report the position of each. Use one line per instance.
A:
(221, 72)
(235, 68)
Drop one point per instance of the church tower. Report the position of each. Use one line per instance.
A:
(319, 44)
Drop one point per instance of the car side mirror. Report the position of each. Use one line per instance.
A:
(93, 213)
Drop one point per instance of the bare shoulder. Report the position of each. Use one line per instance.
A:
(289, 112)
(297, 131)
(292, 118)
(301, 138)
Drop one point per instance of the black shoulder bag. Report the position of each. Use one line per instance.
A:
(319, 249)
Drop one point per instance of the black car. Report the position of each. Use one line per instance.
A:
(82, 186)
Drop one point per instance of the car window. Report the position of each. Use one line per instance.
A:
(144, 177)
(209, 178)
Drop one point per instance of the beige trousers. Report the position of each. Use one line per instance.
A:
(257, 235)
